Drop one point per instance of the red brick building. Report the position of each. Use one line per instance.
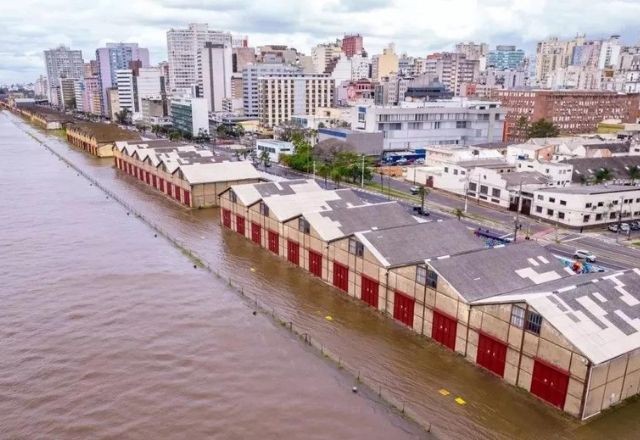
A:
(352, 45)
(572, 111)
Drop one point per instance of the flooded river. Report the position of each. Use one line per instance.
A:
(107, 330)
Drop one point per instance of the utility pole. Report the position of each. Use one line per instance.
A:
(517, 219)
(619, 217)
(466, 193)
(362, 173)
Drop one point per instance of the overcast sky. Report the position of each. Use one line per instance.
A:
(416, 26)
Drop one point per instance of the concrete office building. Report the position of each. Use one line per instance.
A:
(250, 84)
(452, 69)
(282, 96)
(184, 48)
(585, 206)
(416, 125)
(352, 45)
(385, 64)
(114, 57)
(324, 54)
(189, 114)
(573, 112)
(148, 84)
(126, 92)
(62, 62)
(217, 68)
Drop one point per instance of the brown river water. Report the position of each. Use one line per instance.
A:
(109, 332)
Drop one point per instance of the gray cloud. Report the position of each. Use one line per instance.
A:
(31, 26)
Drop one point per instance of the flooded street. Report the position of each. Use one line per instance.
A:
(107, 330)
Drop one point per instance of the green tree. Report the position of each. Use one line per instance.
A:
(175, 135)
(122, 117)
(603, 175)
(541, 129)
(324, 171)
(634, 173)
(423, 192)
(265, 159)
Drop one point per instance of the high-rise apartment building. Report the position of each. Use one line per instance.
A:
(384, 64)
(474, 51)
(126, 91)
(324, 54)
(505, 57)
(452, 69)
(282, 96)
(250, 85)
(352, 45)
(184, 48)
(217, 67)
(572, 111)
(241, 57)
(63, 62)
(114, 57)
(148, 85)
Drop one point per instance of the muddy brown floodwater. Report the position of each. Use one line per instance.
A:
(109, 332)
(114, 330)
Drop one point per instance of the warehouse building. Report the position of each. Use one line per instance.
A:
(97, 138)
(516, 311)
(190, 174)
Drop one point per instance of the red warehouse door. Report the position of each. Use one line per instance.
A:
(176, 189)
(274, 242)
(226, 218)
(549, 383)
(154, 181)
(255, 233)
(293, 252)
(341, 276)
(240, 224)
(492, 354)
(186, 198)
(315, 263)
(444, 330)
(369, 291)
(403, 308)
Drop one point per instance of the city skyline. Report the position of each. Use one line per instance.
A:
(522, 23)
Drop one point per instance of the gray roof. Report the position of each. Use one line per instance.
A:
(282, 188)
(614, 147)
(414, 243)
(499, 270)
(342, 221)
(484, 163)
(590, 189)
(526, 177)
(587, 168)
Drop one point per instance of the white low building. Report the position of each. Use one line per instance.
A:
(559, 174)
(583, 206)
(274, 148)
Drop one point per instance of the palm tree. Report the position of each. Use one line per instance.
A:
(423, 192)
(603, 175)
(634, 173)
(265, 159)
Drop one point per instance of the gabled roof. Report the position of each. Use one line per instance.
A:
(286, 207)
(251, 193)
(494, 271)
(415, 243)
(599, 315)
(343, 221)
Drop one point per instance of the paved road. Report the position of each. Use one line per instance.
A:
(608, 252)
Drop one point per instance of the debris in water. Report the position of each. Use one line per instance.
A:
(328, 318)
(444, 392)
(460, 401)
(354, 389)
(253, 269)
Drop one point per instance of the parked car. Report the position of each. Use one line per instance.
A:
(582, 254)
(421, 211)
(414, 190)
(613, 228)
(635, 225)
(402, 161)
(624, 227)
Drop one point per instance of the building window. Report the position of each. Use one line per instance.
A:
(540, 197)
(484, 189)
(560, 215)
(461, 124)
(264, 209)
(598, 217)
(534, 322)
(446, 169)
(517, 316)
(613, 215)
(586, 218)
(355, 247)
(539, 209)
(495, 192)
(455, 171)
(303, 225)
(233, 197)
(472, 186)
(549, 211)
(563, 202)
(552, 200)
(421, 275)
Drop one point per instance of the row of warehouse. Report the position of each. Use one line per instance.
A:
(572, 340)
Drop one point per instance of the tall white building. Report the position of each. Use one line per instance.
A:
(63, 62)
(189, 115)
(147, 85)
(217, 68)
(324, 54)
(250, 85)
(126, 94)
(282, 96)
(184, 48)
(610, 52)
